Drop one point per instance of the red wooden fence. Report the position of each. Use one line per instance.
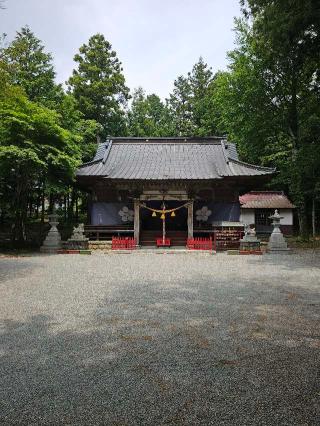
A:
(199, 244)
(123, 243)
(161, 243)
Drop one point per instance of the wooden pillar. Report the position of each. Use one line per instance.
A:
(190, 219)
(136, 223)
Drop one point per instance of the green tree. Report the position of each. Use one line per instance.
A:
(244, 103)
(200, 81)
(148, 116)
(98, 85)
(31, 68)
(85, 133)
(287, 38)
(179, 104)
(190, 104)
(34, 149)
(86, 130)
(269, 99)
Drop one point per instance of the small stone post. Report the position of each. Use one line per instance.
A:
(277, 243)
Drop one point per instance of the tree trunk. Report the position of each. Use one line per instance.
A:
(296, 175)
(30, 207)
(43, 202)
(19, 228)
(71, 206)
(313, 217)
(51, 203)
(65, 208)
(77, 206)
(68, 204)
(20, 203)
(37, 206)
(303, 222)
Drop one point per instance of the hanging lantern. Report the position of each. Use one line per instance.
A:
(154, 214)
(173, 214)
(163, 216)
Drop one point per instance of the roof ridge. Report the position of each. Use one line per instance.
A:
(166, 141)
(88, 163)
(166, 137)
(266, 192)
(253, 166)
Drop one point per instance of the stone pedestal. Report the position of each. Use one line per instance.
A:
(78, 241)
(277, 243)
(52, 243)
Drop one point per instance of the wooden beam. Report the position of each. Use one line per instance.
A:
(136, 223)
(190, 219)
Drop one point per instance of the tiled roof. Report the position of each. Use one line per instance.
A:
(168, 158)
(265, 200)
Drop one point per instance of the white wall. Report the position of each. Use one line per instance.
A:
(247, 216)
(287, 216)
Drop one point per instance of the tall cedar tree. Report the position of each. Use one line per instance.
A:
(190, 103)
(148, 116)
(179, 104)
(287, 38)
(200, 79)
(269, 99)
(31, 68)
(98, 85)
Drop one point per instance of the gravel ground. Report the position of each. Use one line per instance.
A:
(160, 339)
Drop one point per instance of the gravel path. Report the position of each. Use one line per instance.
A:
(160, 339)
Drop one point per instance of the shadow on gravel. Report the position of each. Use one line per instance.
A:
(140, 364)
(293, 260)
(15, 267)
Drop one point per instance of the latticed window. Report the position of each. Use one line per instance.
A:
(262, 216)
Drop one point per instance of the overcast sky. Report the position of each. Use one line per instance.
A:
(155, 40)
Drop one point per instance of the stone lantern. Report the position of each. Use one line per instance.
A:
(277, 243)
(52, 243)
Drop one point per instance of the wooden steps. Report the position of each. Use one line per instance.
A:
(178, 238)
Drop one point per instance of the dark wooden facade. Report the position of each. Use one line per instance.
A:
(128, 174)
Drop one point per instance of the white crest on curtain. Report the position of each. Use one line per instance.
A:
(126, 214)
(203, 214)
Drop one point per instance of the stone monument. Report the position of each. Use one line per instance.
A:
(78, 241)
(277, 243)
(250, 241)
(52, 243)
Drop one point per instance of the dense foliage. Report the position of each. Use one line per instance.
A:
(31, 68)
(34, 150)
(267, 102)
(190, 103)
(149, 116)
(99, 85)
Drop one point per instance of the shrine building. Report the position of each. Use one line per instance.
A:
(187, 186)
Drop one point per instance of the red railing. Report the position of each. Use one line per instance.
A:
(199, 243)
(163, 242)
(123, 243)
